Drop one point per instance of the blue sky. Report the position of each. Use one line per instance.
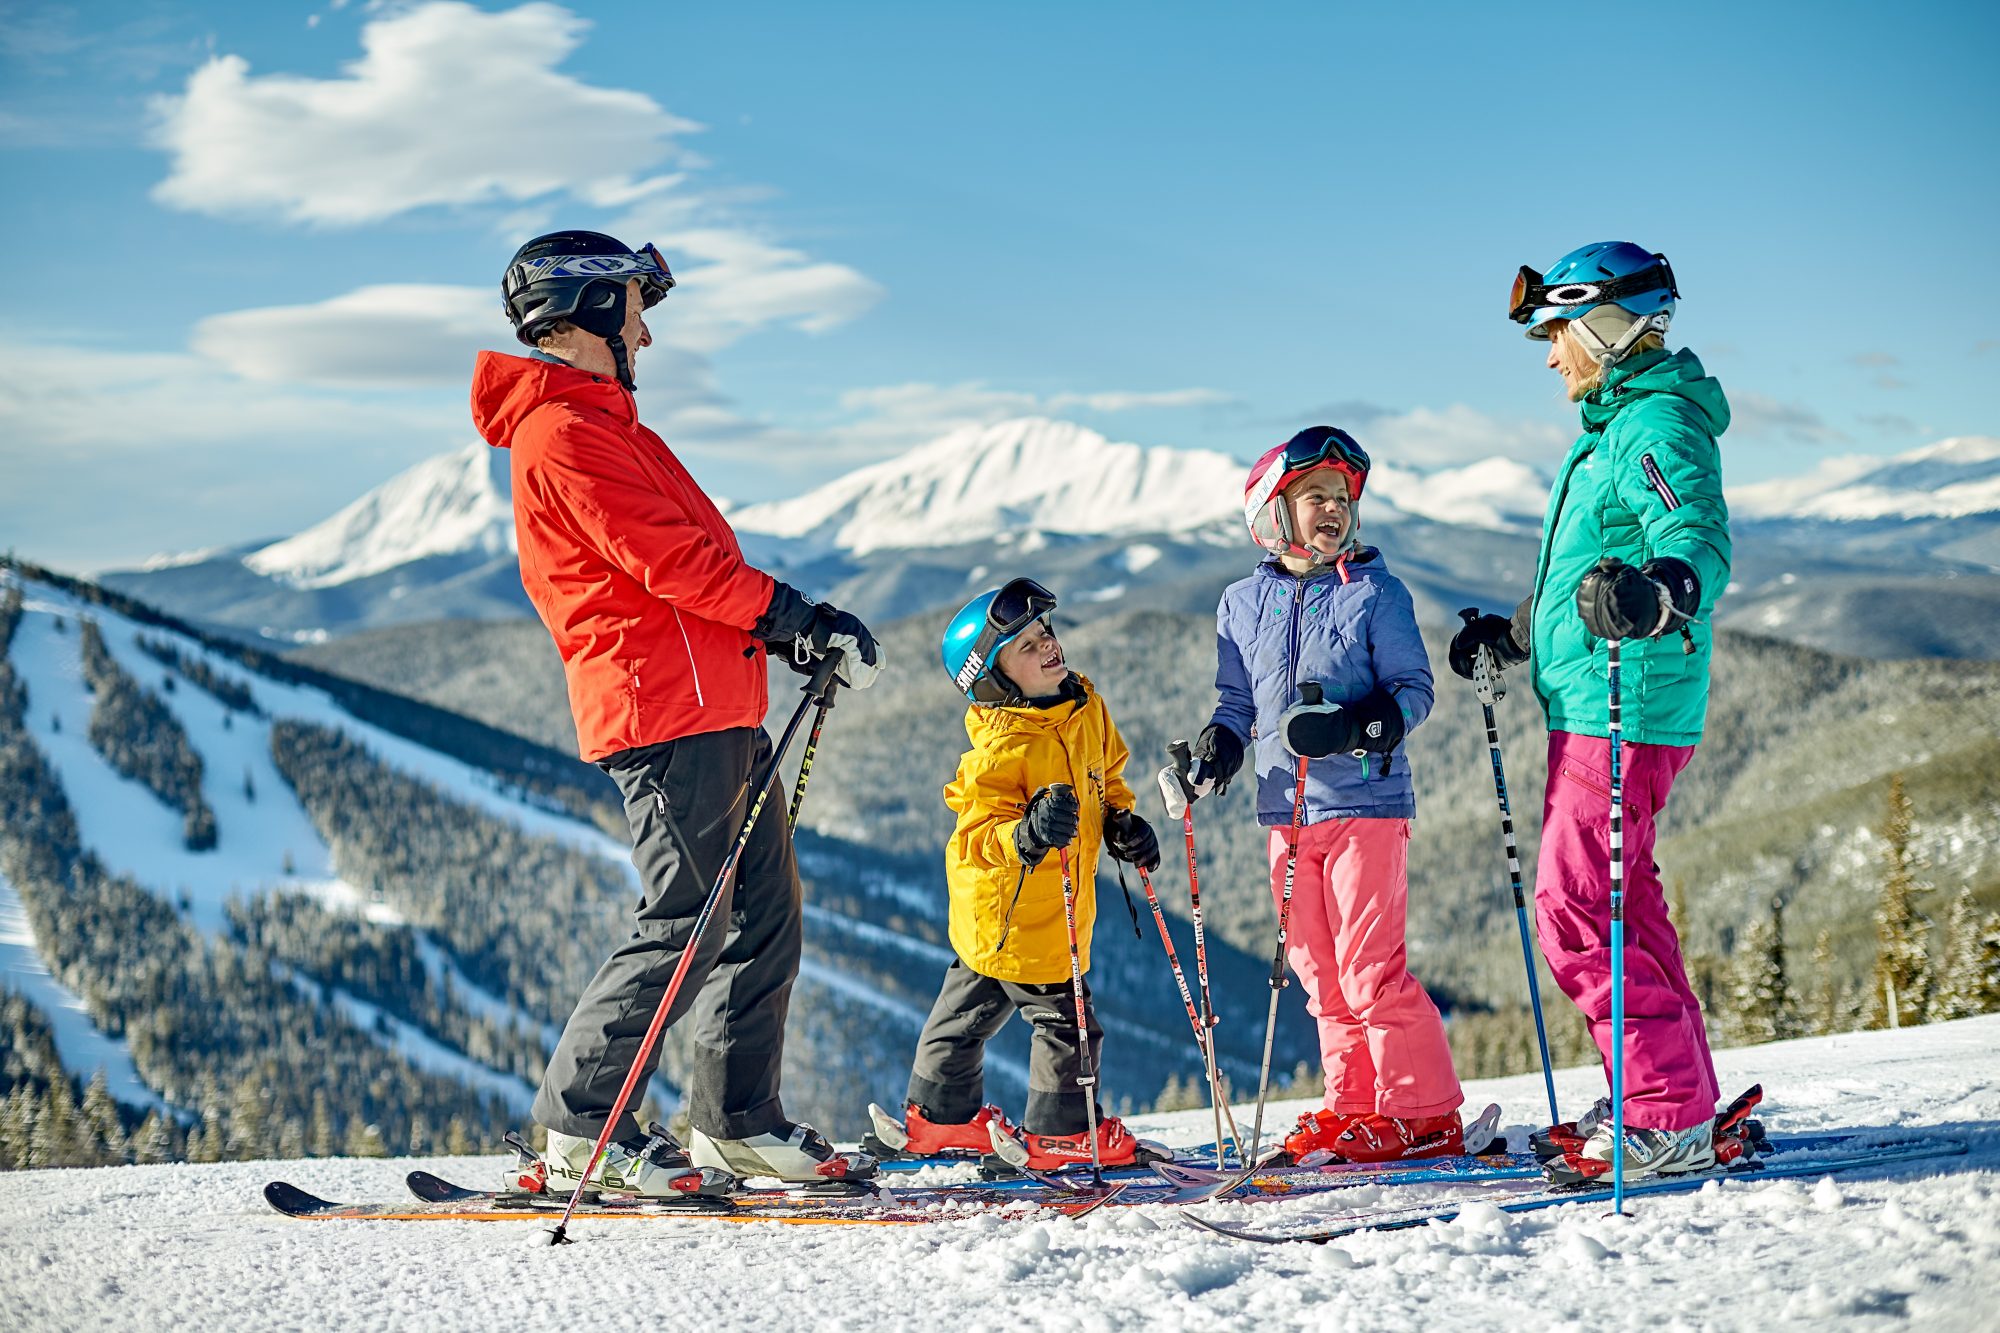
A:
(255, 245)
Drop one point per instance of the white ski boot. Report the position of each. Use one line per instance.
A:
(1656, 1152)
(652, 1166)
(801, 1155)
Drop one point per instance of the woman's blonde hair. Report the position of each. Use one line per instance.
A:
(1570, 351)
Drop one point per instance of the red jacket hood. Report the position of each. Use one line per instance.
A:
(507, 389)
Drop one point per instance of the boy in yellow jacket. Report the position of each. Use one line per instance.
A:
(1045, 771)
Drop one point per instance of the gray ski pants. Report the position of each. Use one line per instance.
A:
(686, 801)
(947, 1078)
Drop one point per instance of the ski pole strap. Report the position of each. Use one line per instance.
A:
(1130, 906)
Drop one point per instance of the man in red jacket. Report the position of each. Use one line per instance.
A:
(663, 631)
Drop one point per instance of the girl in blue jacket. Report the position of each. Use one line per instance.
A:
(1321, 666)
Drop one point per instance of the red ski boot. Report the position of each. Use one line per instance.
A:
(1317, 1131)
(1388, 1138)
(1053, 1152)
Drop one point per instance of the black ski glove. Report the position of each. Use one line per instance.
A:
(1132, 840)
(792, 621)
(1218, 755)
(1052, 819)
(1508, 638)
(1312, 728)
(1378, 722)
(1617, 601)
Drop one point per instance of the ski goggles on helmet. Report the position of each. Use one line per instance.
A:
(1017, 605)
(1532, 292)
(646, 264)
(1307, 450)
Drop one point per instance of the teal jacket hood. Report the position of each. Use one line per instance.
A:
(1678, 373)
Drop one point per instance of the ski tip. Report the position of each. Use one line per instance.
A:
(292, 1201)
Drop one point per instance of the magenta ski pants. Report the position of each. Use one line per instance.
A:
(1381, 1041)
(1669, 1076)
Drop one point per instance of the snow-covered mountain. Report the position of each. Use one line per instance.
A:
(1953, 478)
(1112, 522)
(456, 504)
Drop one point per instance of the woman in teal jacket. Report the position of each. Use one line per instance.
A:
(1635, 546)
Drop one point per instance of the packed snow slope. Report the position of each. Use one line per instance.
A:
(1912, 1245)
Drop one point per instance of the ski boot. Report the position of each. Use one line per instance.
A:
(1736, 1134)
(1315, 1132)
(1052, 1152)
(800, 1155)
(651, 1166)
(1386, 1138)
(1648, 1152)
(917, 1135)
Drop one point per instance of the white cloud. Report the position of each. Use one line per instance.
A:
(447, 105)
(385, 335)
(1759, 414)
(1441, 437)
(745, 284)
(890, 418)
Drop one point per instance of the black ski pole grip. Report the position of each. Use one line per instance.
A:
(821, 686)
(1183, 757)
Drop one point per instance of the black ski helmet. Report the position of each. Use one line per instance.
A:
(580, 276)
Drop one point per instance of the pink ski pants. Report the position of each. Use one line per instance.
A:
(1381, 1042)
(1669, 1077)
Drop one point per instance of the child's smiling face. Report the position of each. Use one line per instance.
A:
(1322, 513)
(1034, 661)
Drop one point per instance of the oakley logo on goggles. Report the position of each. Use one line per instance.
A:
(1532, 293)
(1016, 606)
(646, 264)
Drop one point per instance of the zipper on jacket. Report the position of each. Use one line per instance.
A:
(692, 668)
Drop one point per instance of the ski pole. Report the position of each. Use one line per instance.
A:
(1086, 1077)
(1183, 762)
(1201, 1034)
(819, 689)
(1617, 938)
(1278, 981)
(806, 763)
(1486, 683)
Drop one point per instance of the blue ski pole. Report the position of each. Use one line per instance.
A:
(1617, 940)
(1491, 689)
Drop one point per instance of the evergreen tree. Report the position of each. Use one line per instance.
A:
(1823, 1004)
(249, 1121)
(1762, 1007)
(322, 1140)
(1959, 982)
(1989, 962)
(292, 1139)
(100, 1113)
(155, 1140)
(1899, 987)
(365, 1140)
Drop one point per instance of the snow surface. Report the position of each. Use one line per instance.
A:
(1911, 1245)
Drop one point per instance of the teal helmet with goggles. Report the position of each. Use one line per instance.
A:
(1615, 291)
(1265, 512)
(985, 625)
(579, 277)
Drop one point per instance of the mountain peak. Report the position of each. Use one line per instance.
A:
(448, 505)
(1024, 474)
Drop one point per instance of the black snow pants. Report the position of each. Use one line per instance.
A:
(947, 1078)
(686, 801)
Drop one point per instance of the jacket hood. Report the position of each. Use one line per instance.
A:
(506, 390)
(1678, 373)
(986, 723)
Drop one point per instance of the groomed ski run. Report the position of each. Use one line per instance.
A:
(1910, 1245)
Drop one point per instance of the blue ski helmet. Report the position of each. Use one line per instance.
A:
(985, 625)
(1608, 272)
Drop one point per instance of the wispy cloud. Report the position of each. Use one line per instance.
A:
(1759, 414)
(448, 105)
(1874, 360)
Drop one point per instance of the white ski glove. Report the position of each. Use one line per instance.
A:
(1184, 781)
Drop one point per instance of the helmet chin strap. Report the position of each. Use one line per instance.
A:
(1610, 354)
(607, 321)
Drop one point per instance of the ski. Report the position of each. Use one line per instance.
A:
(1277, 1175)
(1805, 1155)
(438, 1200)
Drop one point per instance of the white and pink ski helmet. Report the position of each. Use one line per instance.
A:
(1265, 512)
